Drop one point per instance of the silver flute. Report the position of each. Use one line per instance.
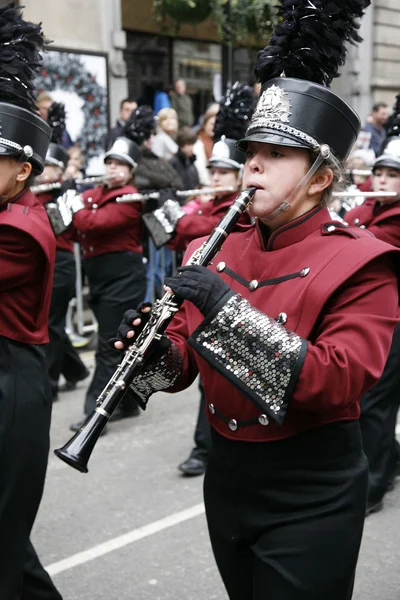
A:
(77, 451)
(179, 194)
(352, 193)
(42, 188)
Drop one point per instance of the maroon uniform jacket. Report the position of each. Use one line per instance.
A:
(203, 222)
(27, 252)
(334, 286)
(64, 241)
(383, 220)
(106, 226)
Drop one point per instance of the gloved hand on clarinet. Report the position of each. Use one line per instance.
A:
(204, 288)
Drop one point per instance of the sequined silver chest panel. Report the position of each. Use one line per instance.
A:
(254, 352)
(159, 374)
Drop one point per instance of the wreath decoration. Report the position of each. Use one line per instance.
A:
(65, 71)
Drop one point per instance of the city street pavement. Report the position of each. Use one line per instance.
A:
(134, 528)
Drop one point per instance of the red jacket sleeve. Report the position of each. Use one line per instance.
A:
(110, 218)
(19, 257)
(352, 341)
(388, 231)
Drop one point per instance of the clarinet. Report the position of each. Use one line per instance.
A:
(76, 452)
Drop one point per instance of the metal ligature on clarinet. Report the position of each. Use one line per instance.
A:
(77, 451)
(179, 194)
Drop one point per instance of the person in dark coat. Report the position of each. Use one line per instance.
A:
(27, 253)
(288, 327)
(184, 159)
(126, 108)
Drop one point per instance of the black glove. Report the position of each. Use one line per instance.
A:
(199, 285)
(126, 324)
(68, 184)
(158, 347)
(167, 194)
(151, 204)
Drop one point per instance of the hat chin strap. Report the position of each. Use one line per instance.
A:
(324, 153)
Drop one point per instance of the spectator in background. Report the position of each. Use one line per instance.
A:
(375, 128)
(204, 144)
(76, 164)
(44, 101)
(181, 102)
(184, 159)
(361, 160)
(161, 98)
(164, 145)
(126, 108)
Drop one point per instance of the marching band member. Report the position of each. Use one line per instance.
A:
(27, 252)
(379, 406)
(61, 355)
(110, 235)
(288, 329)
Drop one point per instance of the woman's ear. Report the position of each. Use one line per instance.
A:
(24, 172)
(320, 181)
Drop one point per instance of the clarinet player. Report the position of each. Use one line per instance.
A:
(290, 326)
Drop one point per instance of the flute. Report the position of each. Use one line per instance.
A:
(363, 172)
(42, 188)
(179, 193)
(352, 193)
(77, 451)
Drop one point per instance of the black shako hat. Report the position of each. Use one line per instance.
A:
(56, 154)
(232, 120)
(307, 47)
(138, 128)
(23, 133)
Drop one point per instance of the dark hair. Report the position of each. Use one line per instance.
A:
(185, 136)
(379, 105)
(125, 100)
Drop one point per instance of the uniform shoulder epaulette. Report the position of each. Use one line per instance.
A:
(337, 228)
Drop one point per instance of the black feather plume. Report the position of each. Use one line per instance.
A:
(309, 42)
(393, 124)
(20, 44)
(140, 125)
(56, 120)
(235, 110)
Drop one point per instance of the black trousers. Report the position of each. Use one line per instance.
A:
(25, 412)
(117, 282)
(202, 433)
(60, 345)
(286, 518)
(379, 408)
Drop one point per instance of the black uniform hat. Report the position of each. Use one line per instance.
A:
(57, 155)
(296, 108)
(23, 133)
(139, 127)
(232, 120)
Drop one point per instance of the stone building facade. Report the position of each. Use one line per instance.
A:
(139, 55)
